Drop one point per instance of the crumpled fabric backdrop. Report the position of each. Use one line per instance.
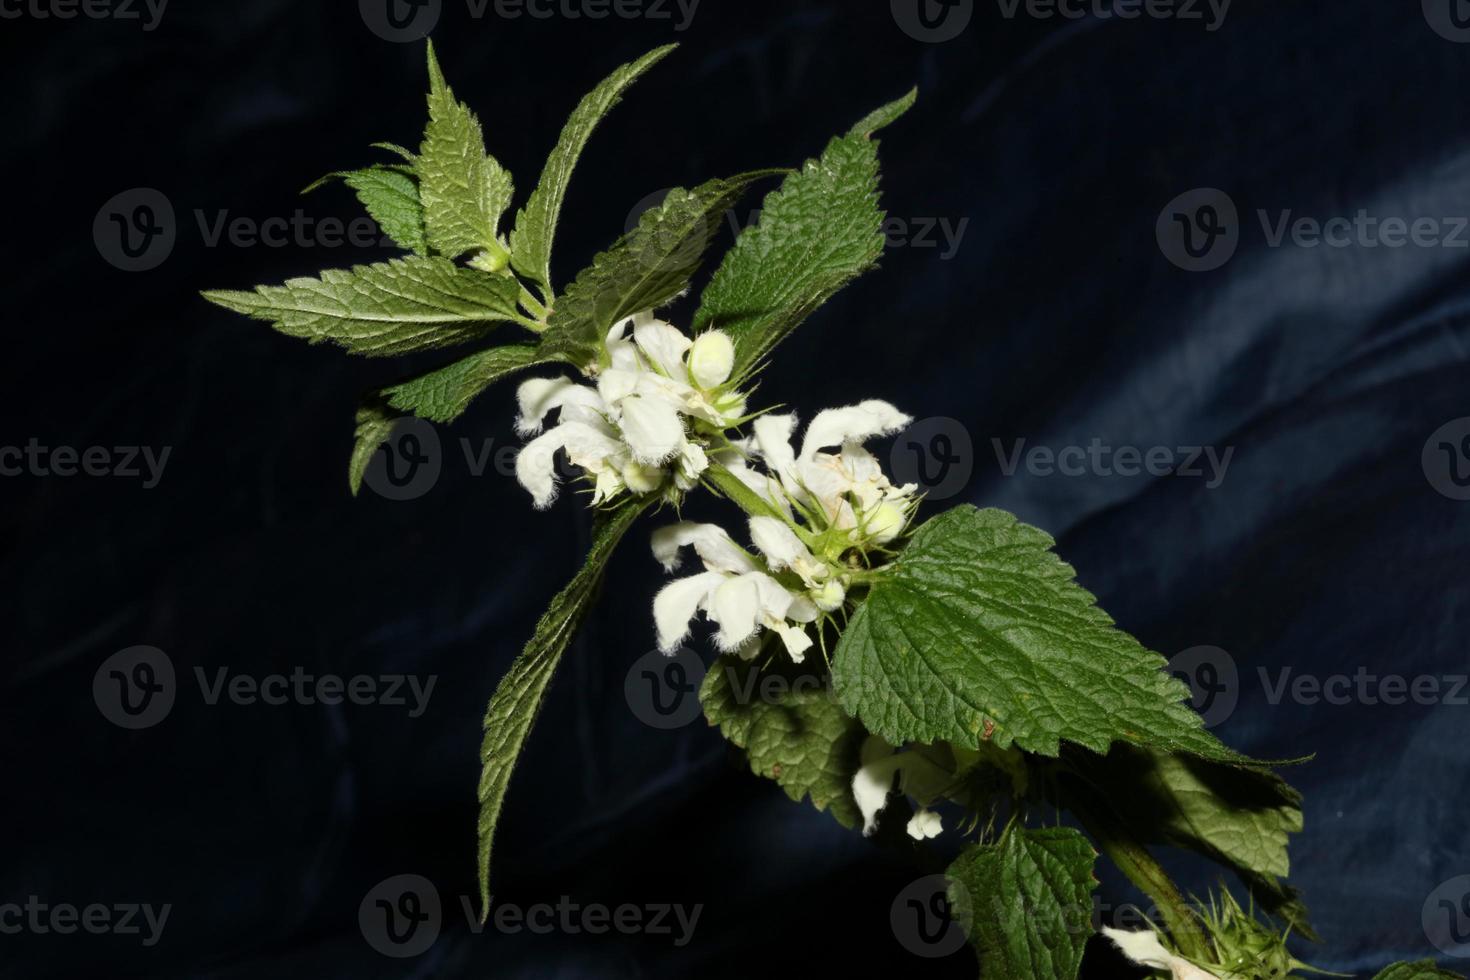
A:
(1054, 312)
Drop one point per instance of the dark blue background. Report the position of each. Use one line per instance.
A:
(1058, 320)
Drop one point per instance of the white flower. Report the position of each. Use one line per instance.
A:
(848, 487)
(630, 431)
(1144, 948)
(918, 777)
(732, 591)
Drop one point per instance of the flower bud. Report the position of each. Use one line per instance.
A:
(642, 479)
(829, 596)
(885, 523)
(711, 359)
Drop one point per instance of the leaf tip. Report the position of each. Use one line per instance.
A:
(885, 115)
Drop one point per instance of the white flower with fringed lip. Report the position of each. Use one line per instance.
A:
(630, 431)
(846, 489)
(735, 591)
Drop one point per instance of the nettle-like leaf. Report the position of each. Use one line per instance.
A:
(395, 307)
(1029, 901)
(464, 190)
(646, 269)
(443, 395)
(1421, 970)
(820, 230)
(513, 708)
(791, 728)
(536, 223)
(979, 632)
(374, 427)
(391, 197)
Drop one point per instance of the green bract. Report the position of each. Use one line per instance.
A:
(959, 665)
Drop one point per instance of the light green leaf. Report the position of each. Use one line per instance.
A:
(791, 728)
(513, 708)
(530, 243)
(979, 632)
(392, 198)
(443, 395)
(646, 269)
(1422, 970)
(464, 191)
(1029, 898)
(394, 307)
(817, 232)
(374, 427)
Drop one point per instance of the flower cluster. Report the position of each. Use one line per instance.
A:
(641, 423)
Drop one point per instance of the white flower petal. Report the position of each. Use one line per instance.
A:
(676, 605)
(771, 436)
(855, 423)
(736, 607)
(924, 824)
(1143, 947)
(664, 345)
(536, 398)
(712, 543)
(536, 462)
(796, 640)
(615, 384)
(651, 427)
(780, 545)
(870, 787)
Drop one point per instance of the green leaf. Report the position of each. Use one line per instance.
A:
(530, 243)
(394, 307)
(646, 269)
(1239, 817)
(443, 395)
(516, 701)
(1422, 970)
(1029, 898)
(392, 198)
(978, 632)
(374, 426)
(464, 190)
(820, 230)
(791, 728)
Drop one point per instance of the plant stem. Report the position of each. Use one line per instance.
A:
(1134, 860)
(728, 484)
